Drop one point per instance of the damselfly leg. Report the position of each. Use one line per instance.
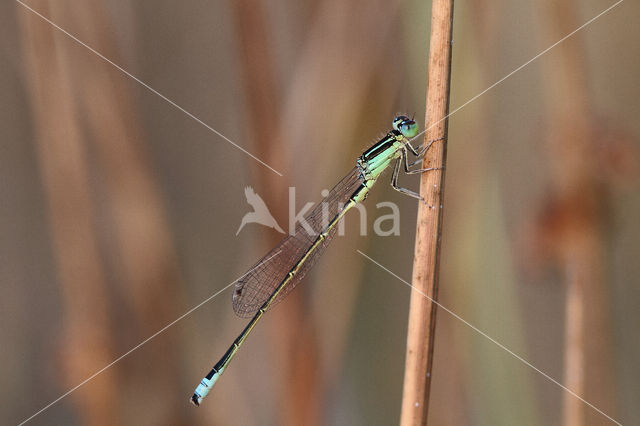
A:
(420, 150)
(406, 191)
(407, 166)
(404, 159)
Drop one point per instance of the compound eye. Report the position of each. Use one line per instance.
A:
(409, 129)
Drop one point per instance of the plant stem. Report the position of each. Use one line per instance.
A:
(87, 340)
(574, 217)
(422, 310)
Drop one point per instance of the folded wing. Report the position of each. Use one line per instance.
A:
(257, 285)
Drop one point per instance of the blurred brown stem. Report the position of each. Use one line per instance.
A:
(141, 247)
(300, 392)
(574, 345)
(574, 218)
(422, 310)
(78, 104)
(88, 343)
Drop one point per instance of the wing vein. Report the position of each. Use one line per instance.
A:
(253, 289)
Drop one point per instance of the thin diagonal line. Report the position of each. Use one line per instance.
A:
(500, 345)
(103, 369)
(162, 330)
(128, 74)
(581, 27)
(275, 171)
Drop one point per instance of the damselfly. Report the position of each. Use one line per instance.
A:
(280, 270)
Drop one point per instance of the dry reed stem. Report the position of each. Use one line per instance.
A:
(422, 311)
(300, 398)
(87, 345)
(66, 79)
(459, 368)
(142, 249)
(573, 410)
(574, 217)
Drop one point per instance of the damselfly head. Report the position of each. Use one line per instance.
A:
(405, 125)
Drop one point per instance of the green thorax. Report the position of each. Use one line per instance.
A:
(376, 159)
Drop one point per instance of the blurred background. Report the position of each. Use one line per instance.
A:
(119, 211)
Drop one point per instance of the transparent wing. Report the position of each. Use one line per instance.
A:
(255, 287)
